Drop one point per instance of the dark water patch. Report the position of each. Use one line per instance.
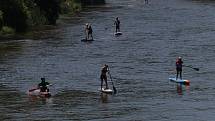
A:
(74, 98)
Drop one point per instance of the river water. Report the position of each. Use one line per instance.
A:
(141, 61)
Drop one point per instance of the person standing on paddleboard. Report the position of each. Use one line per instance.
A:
(43, 85)
(88, 31)
(146, 1)
(178, 64)
(103, 76)
(117, 24)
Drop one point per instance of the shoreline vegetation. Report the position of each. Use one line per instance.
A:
(19, 18)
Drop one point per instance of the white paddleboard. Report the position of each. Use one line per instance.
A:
(118, 33)
(182, 81)
(110, 91)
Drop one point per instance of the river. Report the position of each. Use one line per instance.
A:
(141, 61)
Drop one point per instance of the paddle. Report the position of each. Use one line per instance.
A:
(114, 89)
(36, 87)
(31, 90)
(197, 69)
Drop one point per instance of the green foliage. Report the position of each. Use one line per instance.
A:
(7, 30)
(15, 14)
(1, 19)
(68, 6)
(35, 15)
(92, 2)
(20, 14)
(51, 9)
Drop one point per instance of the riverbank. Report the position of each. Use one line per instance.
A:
(37, 32)
(38, 16)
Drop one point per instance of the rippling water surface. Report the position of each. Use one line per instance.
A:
(141, 61)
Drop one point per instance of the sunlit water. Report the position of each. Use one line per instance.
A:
(141, 61)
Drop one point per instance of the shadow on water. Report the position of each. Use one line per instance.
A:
(76, 97)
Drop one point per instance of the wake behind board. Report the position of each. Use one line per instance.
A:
(181, 81)
(108, 91)
(118, 33)
(87, 40)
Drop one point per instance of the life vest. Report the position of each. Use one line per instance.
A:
(117, 22)
(104, 70)
(179, 63)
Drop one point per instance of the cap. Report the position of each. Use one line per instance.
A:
(43, 79)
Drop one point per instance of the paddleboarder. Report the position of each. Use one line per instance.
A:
(146, 1)
(88, 31)
(103, 76)
(117, 24)
(178, 64)
(43, 85)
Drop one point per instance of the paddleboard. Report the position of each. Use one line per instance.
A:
(87, 40)
(118, 33)
(36, 92)
(109, 91)
(182, 81)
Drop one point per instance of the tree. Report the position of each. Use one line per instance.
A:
(92, 2)
(51, 9)
(1, 19)
(15, 14)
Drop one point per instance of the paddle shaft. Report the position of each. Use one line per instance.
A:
(197, 69)
(114, 89)
(31, 90)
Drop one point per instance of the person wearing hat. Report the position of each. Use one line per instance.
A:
(103, 76)
(43, 85)
(178, 64)
(117, 24)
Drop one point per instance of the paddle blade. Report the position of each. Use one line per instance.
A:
(114, 90)
(31, 90)
(197, 69)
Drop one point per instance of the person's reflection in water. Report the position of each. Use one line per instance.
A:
(179, 89)
(187, 87)
(104, 98)
(36, 99)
